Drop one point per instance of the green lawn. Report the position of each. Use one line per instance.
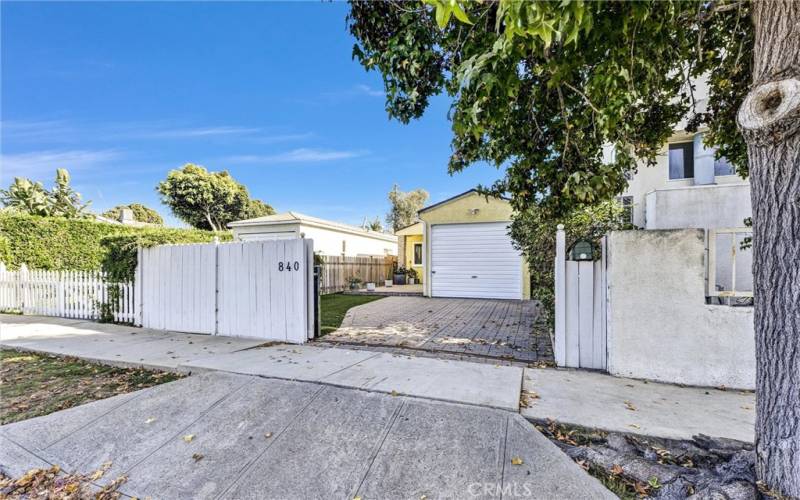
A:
(334, 306)
(37, 384)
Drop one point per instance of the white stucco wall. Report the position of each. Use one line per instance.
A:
(329, 242)
(713, 206)
(326, 241)
(659, 326)
(274, 232)
(646, 180)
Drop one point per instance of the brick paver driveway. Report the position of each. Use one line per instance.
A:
(494, 329)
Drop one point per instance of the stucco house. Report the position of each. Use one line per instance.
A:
(330, 238)
(461, 248)
(687, 188)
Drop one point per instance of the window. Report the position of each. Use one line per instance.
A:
(681, 160)
(723, 167)
(417, 254)
(627, 209)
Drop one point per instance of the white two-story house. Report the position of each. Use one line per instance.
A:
(687, 188)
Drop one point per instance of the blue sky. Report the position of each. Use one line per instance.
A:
(121, 93)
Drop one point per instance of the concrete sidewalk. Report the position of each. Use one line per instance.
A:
(597, 400)
(258, 438)
(583, 398)
(454, 381)
(115, 344)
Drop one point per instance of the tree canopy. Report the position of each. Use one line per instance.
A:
(141, 213)
(540, 87)
(30, 197)
(208, 200)
(404, 207)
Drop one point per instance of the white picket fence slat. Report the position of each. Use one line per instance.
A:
(67, 294)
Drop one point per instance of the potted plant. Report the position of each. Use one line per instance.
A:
(400, 276)
(370, 286)
(411, 275)
(355, 282)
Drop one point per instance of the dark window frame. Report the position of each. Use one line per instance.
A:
(688, 159)
(414, 257)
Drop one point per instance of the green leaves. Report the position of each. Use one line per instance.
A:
(208, 200)
(539, 88)
(444, 9)
(141, 213)
(29, 197)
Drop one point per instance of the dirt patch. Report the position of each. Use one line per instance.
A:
(32, 385)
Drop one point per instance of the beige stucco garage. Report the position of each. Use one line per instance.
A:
(468, 252)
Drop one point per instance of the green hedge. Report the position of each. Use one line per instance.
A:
(120, 259)
(55, 243)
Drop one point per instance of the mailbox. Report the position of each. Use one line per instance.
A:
(582, 250)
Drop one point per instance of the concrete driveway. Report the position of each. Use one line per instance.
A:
(495, 329)
(219, 435)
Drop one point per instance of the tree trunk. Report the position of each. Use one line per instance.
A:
(769, 120)
(211, 222)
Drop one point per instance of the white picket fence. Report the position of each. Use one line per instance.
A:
(67, 294)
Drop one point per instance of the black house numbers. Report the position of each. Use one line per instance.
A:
(288, 266)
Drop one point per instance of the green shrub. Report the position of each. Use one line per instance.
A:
(5, 250)
(55, 243)
(120, 259)
(535, 236)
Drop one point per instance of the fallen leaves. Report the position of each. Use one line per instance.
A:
(197, 456)
(188, 438)
(517, 461)
(53, 483)
(629, 406)
(616, 469)
(99, 472)
(527, 398)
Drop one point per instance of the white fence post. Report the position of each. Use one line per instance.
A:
(22, 289)
(136, 317)
(560, 296)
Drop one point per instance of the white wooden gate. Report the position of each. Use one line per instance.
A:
(580, 309)
(261, 289)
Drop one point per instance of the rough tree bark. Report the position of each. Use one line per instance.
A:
(770, 122)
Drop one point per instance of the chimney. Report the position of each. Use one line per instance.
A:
(126, 216)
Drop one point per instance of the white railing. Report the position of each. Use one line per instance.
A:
(68, 294)
(729, 265)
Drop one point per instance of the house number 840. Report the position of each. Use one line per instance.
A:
(289, 266)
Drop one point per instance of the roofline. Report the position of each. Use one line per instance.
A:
(453, 198)
(323, 225)
(408, 226)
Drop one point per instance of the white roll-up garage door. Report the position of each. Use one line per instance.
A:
(474, 260)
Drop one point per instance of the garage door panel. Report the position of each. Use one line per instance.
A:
(474, 260)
